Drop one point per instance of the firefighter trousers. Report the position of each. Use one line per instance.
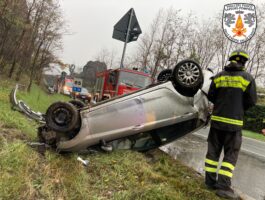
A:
(231, 143)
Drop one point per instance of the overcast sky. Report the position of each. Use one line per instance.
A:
(91, 22)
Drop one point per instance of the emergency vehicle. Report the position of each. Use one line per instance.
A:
(116, 82)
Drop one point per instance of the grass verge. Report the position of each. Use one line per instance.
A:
(26, 174)
(253, 135)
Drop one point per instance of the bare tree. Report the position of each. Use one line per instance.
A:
(159, 46)
(49, 32)
(146, 43)
(30, 33)
(16, 52)
(108, 57)
(177, 37)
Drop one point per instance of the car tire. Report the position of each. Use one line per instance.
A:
(62, 117)
(187, 77)
(164, 75)
(78, 104)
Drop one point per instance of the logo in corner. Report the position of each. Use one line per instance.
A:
(239, 21)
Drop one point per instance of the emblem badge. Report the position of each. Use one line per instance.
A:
(239, 21)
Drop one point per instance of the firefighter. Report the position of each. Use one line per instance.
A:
(232, 91)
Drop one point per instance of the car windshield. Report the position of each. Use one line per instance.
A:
(134, 80)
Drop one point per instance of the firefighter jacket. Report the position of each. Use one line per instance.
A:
(232, 92)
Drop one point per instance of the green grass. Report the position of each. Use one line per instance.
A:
(121, 175)
(261, 101)
(40, 100)
(253, 135)
(118, 175)
(12, 120)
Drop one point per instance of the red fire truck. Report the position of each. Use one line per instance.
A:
(115, 82)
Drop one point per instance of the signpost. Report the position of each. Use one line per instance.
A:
(127, 29)
(77, 87)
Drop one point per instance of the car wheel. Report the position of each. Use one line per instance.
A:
(78, 104)
(187, 77)
(62, 117)
(164, 75)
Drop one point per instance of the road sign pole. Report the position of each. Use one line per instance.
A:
(127, 38)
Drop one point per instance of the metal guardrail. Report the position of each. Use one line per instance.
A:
(23, 107)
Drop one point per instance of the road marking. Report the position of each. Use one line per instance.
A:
(207, 128)
(253, 153)
(243, 149)
(254, 140)
(200, 135)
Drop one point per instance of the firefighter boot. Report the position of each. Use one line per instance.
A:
(227, 194)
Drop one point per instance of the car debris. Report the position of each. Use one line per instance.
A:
(105, 146)
(84, 162)
(39, 146)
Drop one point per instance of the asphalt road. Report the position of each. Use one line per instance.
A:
(250, 146)
(249, 174)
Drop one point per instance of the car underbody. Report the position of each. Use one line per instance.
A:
(145, 119)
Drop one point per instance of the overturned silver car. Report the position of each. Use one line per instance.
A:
(148, 118)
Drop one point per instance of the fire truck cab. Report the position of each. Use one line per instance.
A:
(115, 82)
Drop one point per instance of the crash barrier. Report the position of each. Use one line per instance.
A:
(254, 119)
(12, 97)
(24, 108)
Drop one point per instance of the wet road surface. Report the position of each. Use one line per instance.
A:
(250, 146)
(249, 175)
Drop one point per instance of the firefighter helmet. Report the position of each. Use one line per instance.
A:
(239, 56)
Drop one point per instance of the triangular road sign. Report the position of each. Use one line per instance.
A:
(121, 27)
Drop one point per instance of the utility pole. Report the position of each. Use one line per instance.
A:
(127, 37)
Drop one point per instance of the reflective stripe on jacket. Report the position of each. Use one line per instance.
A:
(232, 91)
